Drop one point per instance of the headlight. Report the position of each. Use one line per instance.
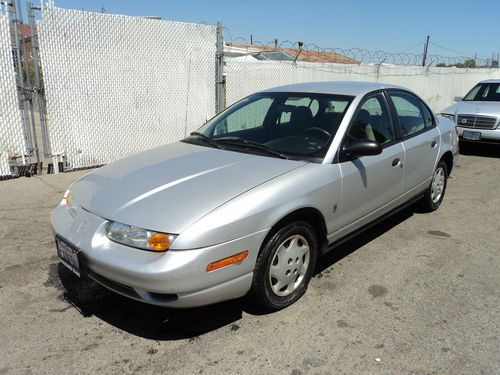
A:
(67, 199)
(137, 237)
(448, 116)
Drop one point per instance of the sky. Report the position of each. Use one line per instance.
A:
(456, 28)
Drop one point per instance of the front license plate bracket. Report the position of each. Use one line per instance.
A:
(70, 257)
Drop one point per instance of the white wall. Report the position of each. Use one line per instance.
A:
(438, 86)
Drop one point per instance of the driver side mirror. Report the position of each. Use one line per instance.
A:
(359, 148)
(458, 98)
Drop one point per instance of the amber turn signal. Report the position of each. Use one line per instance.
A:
(67, 198)
(236, 258)
(160, 241)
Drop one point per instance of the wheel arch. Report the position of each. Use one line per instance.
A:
(310, 215)
(447, 158)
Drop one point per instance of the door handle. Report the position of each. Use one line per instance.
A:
(433, 144)
(395, 162)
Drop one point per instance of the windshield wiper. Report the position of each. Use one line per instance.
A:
(205, 139)
(251, 144)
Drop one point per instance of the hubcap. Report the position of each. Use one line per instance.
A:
(289, 265)
(437, 185)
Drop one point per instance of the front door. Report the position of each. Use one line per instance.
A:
(370, 184)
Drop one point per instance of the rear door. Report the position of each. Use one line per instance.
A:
(420, 140)
(370, 184)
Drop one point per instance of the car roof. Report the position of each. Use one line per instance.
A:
(491, 81)
(351, 88)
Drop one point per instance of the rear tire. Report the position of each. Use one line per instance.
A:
(285, 266)
(435, 194)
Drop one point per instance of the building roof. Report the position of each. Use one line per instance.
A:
(305, 55)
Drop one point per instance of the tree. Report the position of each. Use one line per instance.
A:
(469, 63)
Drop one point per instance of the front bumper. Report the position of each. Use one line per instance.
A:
(175, 278)
(487, 135)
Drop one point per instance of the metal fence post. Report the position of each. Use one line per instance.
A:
(38, 87)
(29, 132)
(219, 71)
(27, 88)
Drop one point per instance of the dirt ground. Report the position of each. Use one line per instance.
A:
(417, 294)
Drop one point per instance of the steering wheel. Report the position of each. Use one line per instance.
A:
(317, 130)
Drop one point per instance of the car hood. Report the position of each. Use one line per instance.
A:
(470, 108)
(169, 188)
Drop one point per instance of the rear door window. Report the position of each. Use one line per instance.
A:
(409, 112)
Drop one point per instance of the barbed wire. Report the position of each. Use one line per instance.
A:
(314, 53)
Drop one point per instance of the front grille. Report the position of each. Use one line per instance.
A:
(479, 122)
(114, 285)
(156, 298)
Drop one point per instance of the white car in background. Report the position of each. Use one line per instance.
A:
(477, 115)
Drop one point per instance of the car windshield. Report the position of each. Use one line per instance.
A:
(484, 92)
(288, 125)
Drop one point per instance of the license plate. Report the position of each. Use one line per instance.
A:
(69, 256)
(471, 136)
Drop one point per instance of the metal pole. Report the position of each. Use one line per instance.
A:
(28, 133)
(37, 88)
(301, 44)
(378, 68)
(219, 70)
(28, 87)
(426, 47)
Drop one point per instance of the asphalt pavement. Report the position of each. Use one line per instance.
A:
(417, 294)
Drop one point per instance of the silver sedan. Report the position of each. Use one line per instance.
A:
(477, 115)
(247, 203)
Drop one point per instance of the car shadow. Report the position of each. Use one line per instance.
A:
(480, 149)
(164, 324)
(149, 321)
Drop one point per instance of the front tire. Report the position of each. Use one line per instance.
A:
(285, 266)
(435, 194)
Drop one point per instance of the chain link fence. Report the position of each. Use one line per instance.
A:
(251, 68)
(315, 53)
(97, 87)
(116, 85)
(12, 137)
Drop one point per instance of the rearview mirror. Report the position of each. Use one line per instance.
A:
(458, 98)
(361, 148)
